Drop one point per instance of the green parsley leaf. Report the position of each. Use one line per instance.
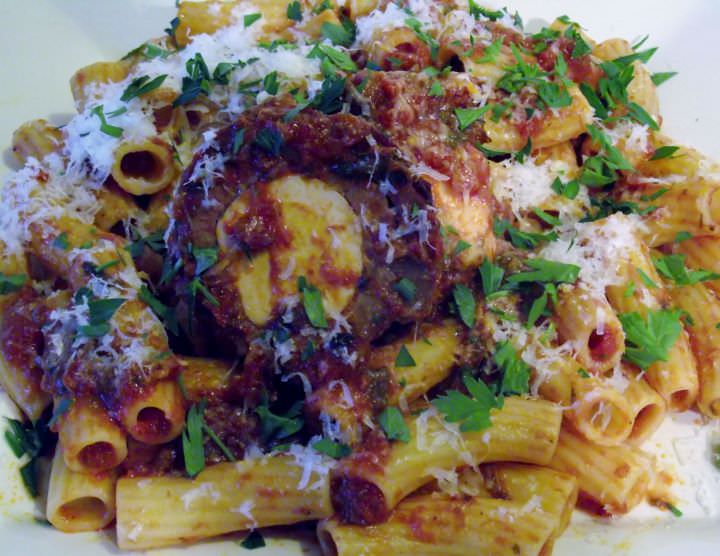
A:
(61, 242)
(613, 156)
(639, 114)
(665, 151)
(406, 288)
(276, 427)
(192, 440)
(142, 86)
(59, 409)
(672, 267)
(100, 313)
(491, 52)
(460, 246)
(10, 283)
(270, 83)
(249, 19)
(472, 412)
(436, 89)
(643, 56)
(660, 77)
(629, 290)
(568, 190)
(546, 217)
(425, 37)
(270, 140)
(594, 101)
(545, 271)
(465, 303)
(312, 301)
(468, 116)
(205, 258)
(253, 540)
(294, 11)
(172, 29)
(335, 57)
(673, 509)
(335, 450)
(650, 340)
(404, 359)
(165, 313)
(682, 236)
(491, 276)
(392, 422)
(107, 129)
(583, 373)
(524, 152)
(238, 141)
(476, 11)
(646, 279)
(516, 373)
(520, 239)
(338, 34)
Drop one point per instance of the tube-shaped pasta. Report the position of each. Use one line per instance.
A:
(438, 525)
(600, 412)
(570, 122)
(205, 378)
(365, 492)
(90, 441)
(555, 492)
(35, 139)
(692, 206)
(646, 405)
(399, 49)
(702, 252)
(704, 310)
(675, 379)
(273, 490)
(592, 327)
(77, 501)
(99, 72)
(115, 206)
(433, 348)
(612, 481)
(197, 18)
(157, 416)
(144, 168)
(20, 341)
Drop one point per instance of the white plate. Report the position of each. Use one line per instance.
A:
(44, 41)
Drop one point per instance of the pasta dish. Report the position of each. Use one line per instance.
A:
(404, 270)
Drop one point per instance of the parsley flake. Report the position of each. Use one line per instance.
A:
(650, 339)
(392, 422)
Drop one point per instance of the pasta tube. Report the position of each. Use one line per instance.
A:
(77, 501)
(273, 490)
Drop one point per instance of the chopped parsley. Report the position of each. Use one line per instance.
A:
(253, 540)
(468, 116)
(650, 339)
(165, 313)
(61, 242)
(491, 276)
(404, 358)
(673, 509)
(424, 36)
(471, 411)
(436, 89)
(106, 128)
(545, 271)
(392, 422)
(196, 82)
(249, 19)
(406, 288)
(338, 34)
(465, 303)
(666, 151)
(10, 283)
(205, 258)
(100, 313)
(515, 372)
(312, 301)
(568, 190)
(520, 239)
(270, 140)
(672, 267)
(477, 11)
(274, 427)
(294, 11)
(660, 77)
(31, 440)
(335, 450)
(142, 86)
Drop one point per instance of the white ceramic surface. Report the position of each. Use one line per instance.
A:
(43, 41)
